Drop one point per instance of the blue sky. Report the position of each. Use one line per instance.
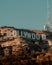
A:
(28, 14)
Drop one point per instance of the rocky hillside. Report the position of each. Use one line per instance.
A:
(13, 39)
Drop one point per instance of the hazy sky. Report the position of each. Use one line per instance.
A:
(28, 14)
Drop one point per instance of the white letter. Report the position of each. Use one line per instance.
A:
(37, 37)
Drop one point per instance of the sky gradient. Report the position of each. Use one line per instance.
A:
(27, 14)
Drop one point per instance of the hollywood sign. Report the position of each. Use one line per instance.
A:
(26, 34)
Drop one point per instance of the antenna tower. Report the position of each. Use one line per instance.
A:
(47, 26)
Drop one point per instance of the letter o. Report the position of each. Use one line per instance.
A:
(37, 37)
